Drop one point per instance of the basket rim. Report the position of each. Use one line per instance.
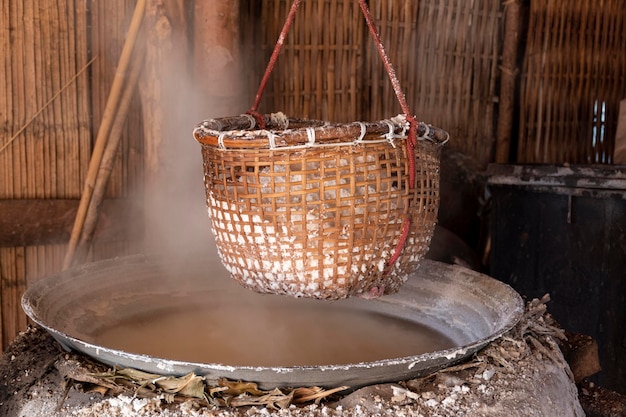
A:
(282, 132)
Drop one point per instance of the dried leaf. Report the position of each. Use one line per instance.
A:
(238, 387)
(91, 388)
(217, 390)
(304, 394)
(227, 393)
(103, 375)
(136, 375)
(273, 400)
(190, 385)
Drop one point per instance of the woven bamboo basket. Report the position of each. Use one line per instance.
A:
(312, 209)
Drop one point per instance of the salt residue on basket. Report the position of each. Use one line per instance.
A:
(319, 222)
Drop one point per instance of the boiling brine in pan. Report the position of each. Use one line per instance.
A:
(272, 336)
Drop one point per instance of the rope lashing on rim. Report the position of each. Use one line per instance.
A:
(412, 121)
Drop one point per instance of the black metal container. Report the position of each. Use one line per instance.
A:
(562, 230)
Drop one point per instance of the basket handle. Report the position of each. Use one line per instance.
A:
(381, 51)
(395, 83)
(412, 134)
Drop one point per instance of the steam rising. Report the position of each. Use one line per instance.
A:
(174, 101)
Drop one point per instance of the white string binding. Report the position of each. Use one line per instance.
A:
(405, 129)
(388, 137)
(391, 135)
(310, 133)
(272, 139)
(220, 141)
(251, 119)
(425, 135)
(362, 135)
(446, 140)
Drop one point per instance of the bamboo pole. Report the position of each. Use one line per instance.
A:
(108, 159)
(45, 106)
(105, 129)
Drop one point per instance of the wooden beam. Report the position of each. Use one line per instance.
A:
(32, 222)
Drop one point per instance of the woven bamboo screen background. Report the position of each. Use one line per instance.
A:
(447, 58)
(445, 55)
(48, 89)
(573, 78)
(319, 73)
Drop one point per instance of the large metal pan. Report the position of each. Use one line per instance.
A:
(469, 308)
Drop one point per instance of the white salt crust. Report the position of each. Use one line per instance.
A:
(269, 259)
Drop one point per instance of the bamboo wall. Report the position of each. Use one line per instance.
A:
(51, 101)
(573, 78)
(48, 158)
(445, 55)
(319, 73)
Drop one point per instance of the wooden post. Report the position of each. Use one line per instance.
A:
(217, 60)
(508, 80)
(181, 85)
(172, 79)
(162, 89)
(619, 153)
